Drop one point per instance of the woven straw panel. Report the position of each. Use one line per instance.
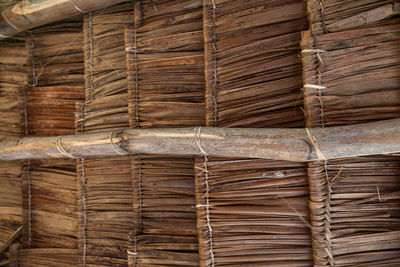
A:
(253, 212)
(351, 75)
(105, 184)
(166, 89)
(13, 60)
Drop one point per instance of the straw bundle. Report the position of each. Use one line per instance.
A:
(355, 78)
(165, 65)
(50, 211)
(104, 232)
(257, 212)
(332, 16)
(13, 60)
(47, 257)
(105, 68)
(253, 70)
(354, 205)
(352, 76)
(55, 70)
(56, 78)
(105, 187)
(250, 211)
(57, 54)
(10, 202)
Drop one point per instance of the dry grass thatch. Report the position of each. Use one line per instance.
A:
(105, 187)
(166, 89)
(351, 75)
(252, 211)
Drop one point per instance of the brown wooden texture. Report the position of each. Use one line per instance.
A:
(333, 16)
(26, 15)
(253, 212)
(351, 75)
(62, 257)
(52, 221)
(253, 71)
(55, 70)
(13, 60)
(105, 191)
(165, 64)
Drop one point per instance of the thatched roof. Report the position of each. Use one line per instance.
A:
(106, 116)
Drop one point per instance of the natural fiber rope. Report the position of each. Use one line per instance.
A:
(117, 149)
(28, 175)
(322, 5)
(136, 78)
(314, 142)
(84, 193)
(76, 7)
(135, 254)
(8, 22)
(91, 52)
(197, 136)
(319, 87)
(214, 55)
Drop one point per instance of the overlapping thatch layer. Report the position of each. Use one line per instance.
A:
(333, 16)
(13, 77)
(50, 211)
(253, 211)
(166, 89)
(47, 257)
(105, 69)
(50, 219)
(351, 75)
(253, 67)
(13, 59)
(105, 186)
(10, 203)
(355, 76)
(258, 213)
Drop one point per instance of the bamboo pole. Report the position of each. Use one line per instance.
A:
(26, 15)
(299, 145)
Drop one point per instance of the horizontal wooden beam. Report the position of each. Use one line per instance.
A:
(300, 145)
(26, 15)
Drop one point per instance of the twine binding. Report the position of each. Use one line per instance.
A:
(214, 56)
(116, 148)
(314, 142)
(76, 7)
(8, 22)
(197, 136)
(91, 53)
(84, 193)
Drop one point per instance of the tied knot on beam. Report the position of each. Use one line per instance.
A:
(315, 145)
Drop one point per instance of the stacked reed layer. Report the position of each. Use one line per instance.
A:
(105, 184)
(351, 75)
(56, 77)
(252, 211)
(13, 60)
(253, 70)
(50, 219)
(106, 105)
(166, 89)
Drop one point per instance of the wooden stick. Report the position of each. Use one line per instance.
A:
(27, 15)
(277, 144)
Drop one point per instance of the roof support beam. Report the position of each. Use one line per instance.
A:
(300, 145)
(26, 15)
